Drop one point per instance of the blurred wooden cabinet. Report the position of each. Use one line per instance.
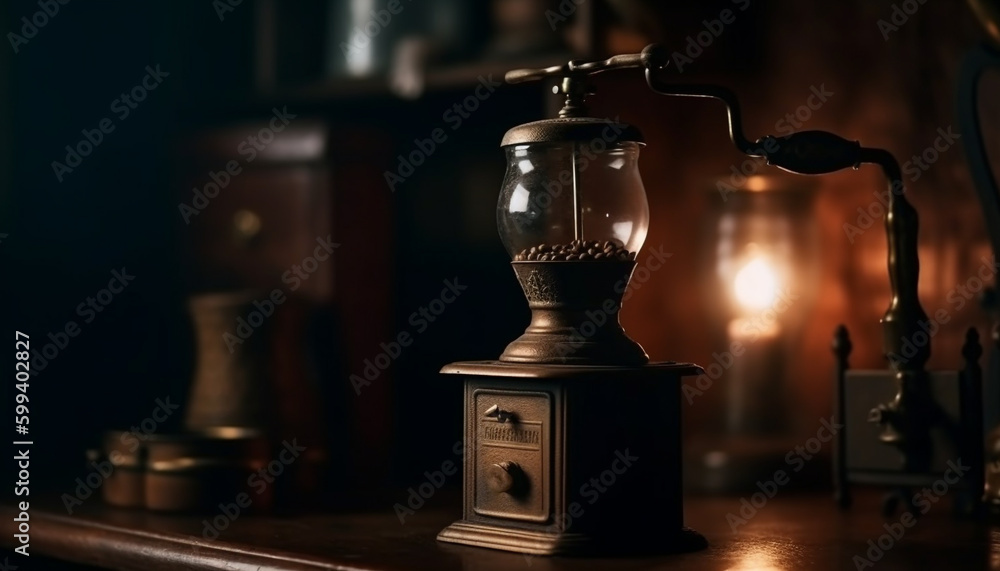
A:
(298, 211)
(263, 207)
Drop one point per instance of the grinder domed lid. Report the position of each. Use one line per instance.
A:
(572, 129)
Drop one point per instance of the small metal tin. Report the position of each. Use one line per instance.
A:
(125, 484)
(200, 484)
(198, 471)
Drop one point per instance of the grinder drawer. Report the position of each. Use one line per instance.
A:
(512, 455)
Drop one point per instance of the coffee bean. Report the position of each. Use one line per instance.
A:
(586, 250)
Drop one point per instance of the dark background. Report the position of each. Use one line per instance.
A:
(119, 208)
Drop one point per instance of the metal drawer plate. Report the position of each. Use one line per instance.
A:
(524, 439)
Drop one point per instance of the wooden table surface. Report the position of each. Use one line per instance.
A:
(789, 532)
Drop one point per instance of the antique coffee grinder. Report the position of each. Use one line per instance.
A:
(573, 437)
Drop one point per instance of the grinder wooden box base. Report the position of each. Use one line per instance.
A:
(564, 459)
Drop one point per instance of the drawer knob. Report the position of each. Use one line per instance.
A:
(500, 414)
(504, 477)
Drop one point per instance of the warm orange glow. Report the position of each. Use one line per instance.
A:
(758, 183)
(761, 557)
(756, 284)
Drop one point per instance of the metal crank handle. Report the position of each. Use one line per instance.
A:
(810, 152)
(652, 56)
